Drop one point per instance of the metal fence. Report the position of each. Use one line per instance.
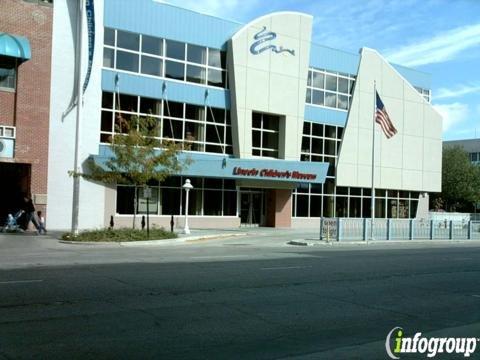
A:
(355, 229)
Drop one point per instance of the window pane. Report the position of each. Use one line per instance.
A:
(127, 40)
(172, 129)
(214, 149)
(317, 146)
(151, 66)
(174, 70)
(315, 206)
(229, 203)
(196, 74)
(108, 58)
(306, 144)
(127, 61)
(306, 127)
(7, 73)
(125, 199)
(196, 54)
(210, 183)
(216, 58)
(173, 109)
(343, 102)
(317, 97)
(170, 201)
(343, 85)
(270, 122)
(331, 82)
(256, 138)
(309, 79)
(107, 121)
(308, 97)
(215, 134)
(318, 80)
(330, 100)
(107, 100)
(215, 115)
(150, 106)
(270, 140)
(330, 131)
(151, 45)
(194, 112)
(302, 205)
(193, 131)
(212, 202)
(216, 78)
(175, 49)
(317, 129)
(109, 37)
(330, 147)
(152, 202)
(127, 102)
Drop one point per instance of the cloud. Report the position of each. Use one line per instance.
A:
(458, 91)
(440, 48)
(453, 114)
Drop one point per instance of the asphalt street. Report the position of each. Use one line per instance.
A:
(231, 299)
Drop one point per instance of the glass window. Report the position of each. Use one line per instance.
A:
(315, 206)
(196, 54)
(343, 102)
(306, 127)
(212, 205)
(216, 58)
(330, 131)
(318, 80)
(7, 73)
(317, 129)
(302, 205)
(308, 97)
(317, 146)
(256, 139)
(172, 129)
(193, 131)
(229, 203)
(109, 37)
(216, 78)
(331, 82)
(175, 49)
(343, 85)
(317, 97)
(152, 45)
(270, 122)
(125, 199)
(215, 134)
(107, 100)
(108, 58)
(170, 201)
(309, 79)
(128, 40)
(152, 202)
(196, 74)
(174, 70)
(173, 109)
(127, 61)
(127, 103)
(330, 100)
(107, 121)
(305, 144)
(194, 112)
(151, 66)
(216, 115)
(150, 106)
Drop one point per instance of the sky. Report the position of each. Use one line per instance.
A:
(440, 37)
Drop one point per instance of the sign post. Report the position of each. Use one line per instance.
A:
(147, 194)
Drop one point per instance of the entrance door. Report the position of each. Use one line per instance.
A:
(251, 208)
(15, 183)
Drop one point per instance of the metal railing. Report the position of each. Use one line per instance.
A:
(358, 229)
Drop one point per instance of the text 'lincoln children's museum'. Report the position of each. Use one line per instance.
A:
(280, 128)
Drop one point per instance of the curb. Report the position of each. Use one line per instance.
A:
(187, 239)
(303, 242)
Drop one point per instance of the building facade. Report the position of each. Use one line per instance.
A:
(280, 128)
(25, 65)
(471, 146)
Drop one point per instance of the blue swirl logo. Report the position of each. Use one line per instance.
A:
(262, 38)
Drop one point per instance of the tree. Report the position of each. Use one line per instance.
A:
(460, 181)
(138, 156)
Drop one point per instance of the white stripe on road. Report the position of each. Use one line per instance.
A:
(19, 282)
(218, 257)
(477, 296)
(286, 267)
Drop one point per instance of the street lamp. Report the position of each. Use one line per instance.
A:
(187, 186)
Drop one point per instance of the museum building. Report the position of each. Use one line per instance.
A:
(279, 128)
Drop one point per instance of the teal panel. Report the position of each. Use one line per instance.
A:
(162, 88)
(322, 115)
(322, 57)
(159, 19)
(15, 46)
(220, 166)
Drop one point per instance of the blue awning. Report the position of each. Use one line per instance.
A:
(15, 46)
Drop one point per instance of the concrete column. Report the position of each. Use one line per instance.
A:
(283, 207)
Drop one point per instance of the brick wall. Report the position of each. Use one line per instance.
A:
(34, 21)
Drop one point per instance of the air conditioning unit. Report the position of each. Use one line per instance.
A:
(7, 147)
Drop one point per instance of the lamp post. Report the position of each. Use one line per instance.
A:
(187, 186)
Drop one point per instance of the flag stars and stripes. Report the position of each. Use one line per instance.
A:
(382, 118)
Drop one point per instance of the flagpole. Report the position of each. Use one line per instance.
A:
(372, 207)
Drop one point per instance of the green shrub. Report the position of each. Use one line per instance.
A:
(118, 235)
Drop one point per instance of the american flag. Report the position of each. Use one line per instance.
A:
(382, 118)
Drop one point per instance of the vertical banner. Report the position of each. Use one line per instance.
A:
(90, 12)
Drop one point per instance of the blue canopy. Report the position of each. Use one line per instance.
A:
(15, 46)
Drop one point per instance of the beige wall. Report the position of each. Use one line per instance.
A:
(412, 159)
(270, 82)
